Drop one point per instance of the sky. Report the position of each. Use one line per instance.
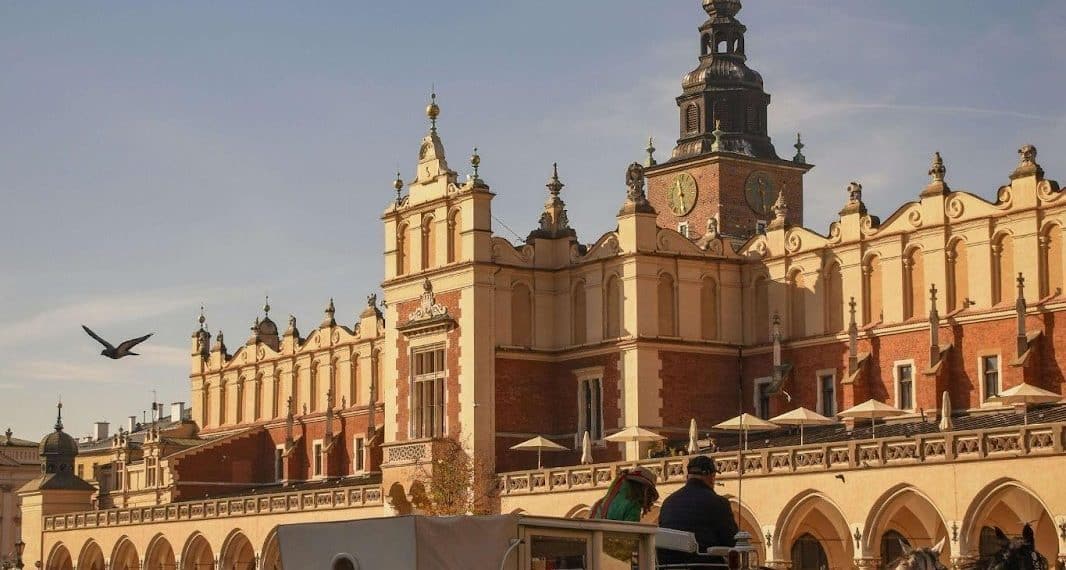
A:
(156, 156)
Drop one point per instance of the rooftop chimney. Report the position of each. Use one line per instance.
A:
(100, 430)
(131, 424)
(177, 411)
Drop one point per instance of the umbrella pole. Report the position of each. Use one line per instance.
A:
(538, 460)
(801, 434)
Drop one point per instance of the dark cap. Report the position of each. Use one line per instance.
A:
(701, 465)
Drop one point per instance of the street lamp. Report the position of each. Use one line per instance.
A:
(19, 547)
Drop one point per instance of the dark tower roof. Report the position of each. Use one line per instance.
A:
(723, 91)
(58, 451)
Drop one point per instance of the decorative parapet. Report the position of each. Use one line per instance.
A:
(407, 453)
(977, 445)
(296, 501)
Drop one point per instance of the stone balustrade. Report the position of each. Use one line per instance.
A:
(957, 446)
(294, 501)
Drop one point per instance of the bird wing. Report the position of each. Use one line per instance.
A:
(127, 345)
(97, 337)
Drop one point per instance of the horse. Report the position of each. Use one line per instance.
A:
(1017, 553)
(1013, 554)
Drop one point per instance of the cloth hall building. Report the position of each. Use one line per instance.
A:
(710, 297)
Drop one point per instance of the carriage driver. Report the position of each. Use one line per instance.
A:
(698, 509)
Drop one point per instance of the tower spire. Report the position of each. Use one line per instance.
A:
(554, 222)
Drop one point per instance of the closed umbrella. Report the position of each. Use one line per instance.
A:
(872, 409)
(586, 449)
(693, 438)
(1025, 394)
(539, 444)
(945, 413)
(801, 417)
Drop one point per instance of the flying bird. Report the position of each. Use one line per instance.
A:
(841, 477)
(122, 349)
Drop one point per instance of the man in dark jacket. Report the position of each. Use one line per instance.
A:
(698, 509)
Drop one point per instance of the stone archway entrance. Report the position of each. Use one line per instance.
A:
(60, 559)
(237, 553)
(1008, 505)
(808, 554)
(160, 555)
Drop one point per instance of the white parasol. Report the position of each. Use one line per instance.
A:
(746, 423)
(1025, 394)
(539, 444)
(872, 409)
(802, 417)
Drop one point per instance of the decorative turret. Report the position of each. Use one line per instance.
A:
(650, 150)
(636, 200)
(328, 319)
(853, 339)
(934, 328)
(937, 171)
(553, 221)
(855, 203)
(431, 160)
(799, 158)
(723, 88)
(266, 330)
(201, 339)
(1019, 310)
(1027, 165)
(220, 344)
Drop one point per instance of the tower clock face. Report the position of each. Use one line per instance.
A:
(761, 192)
(682, 194)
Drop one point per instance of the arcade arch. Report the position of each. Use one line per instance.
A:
(1008, 504)
(812, 516)
(237, 552)
(91, 556)
(159, 555)
(270, 559)
(125, 557)
(908, 513)
(59, 558)
(197, 554)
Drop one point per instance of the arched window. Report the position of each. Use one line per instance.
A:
(808, 554)
(205, 404)
(344, 563)
(521, 315)
(761, 307)
(257, 399)
(709, 309)
(892, 543)
(613, 320)
(429, 243)
(312, 384)
(834, 299)
(958, 276)
(797, 304)
(579, 314)
(705, 44)
(692, 118)
(222, 403)
(275, 402)
(353, 375)
(403, 251)
(667, 312)
(1051, 258)
(455, 242)
(872, 283)
(1002, 268)
(913, 284)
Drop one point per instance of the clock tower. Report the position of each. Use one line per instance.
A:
(724, 167)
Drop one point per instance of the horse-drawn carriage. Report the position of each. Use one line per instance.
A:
(508, 542)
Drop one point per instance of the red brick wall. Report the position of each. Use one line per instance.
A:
(536, 397)
(699, 386)
(449, 299)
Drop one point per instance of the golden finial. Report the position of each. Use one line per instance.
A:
(202, 318)
(266, 307)
(398, 186)
(433, 110)
(475, 162)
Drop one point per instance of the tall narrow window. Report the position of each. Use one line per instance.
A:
(692, 118)
(334, 380)
(905, 386)
(521, 315)
(222, 403)
(427, 393)
(279, 462)
(353, 389)
(613, 320)
(455, 241)
(797, 292)
(275, 402)
(317, 450)
(1051, 256)
(762, 398)
(872, 283)
(709, 309)
(958, 276)
(240, 400)
(667, 314)
(429, 243)
(1002, 269)
(828, 395)
(295, 395)
(257, 399)
(403, 250)
(312, 384)
(834, 299)
(913, 284)
(590, 408)
(580, 313)
(205, 404)
(359, 455)
(760, 300)
(990, 376)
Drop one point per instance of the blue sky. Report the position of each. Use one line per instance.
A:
(156, 156)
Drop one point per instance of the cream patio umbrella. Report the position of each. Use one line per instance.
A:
(634, 434)
(586, 449)
(746, 423)
(540, 444)
(946, 424)
(693, 438)
(872, 409)
(802, 417)
(1025, 394)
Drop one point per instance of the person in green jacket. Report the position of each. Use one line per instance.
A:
(629, 497)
